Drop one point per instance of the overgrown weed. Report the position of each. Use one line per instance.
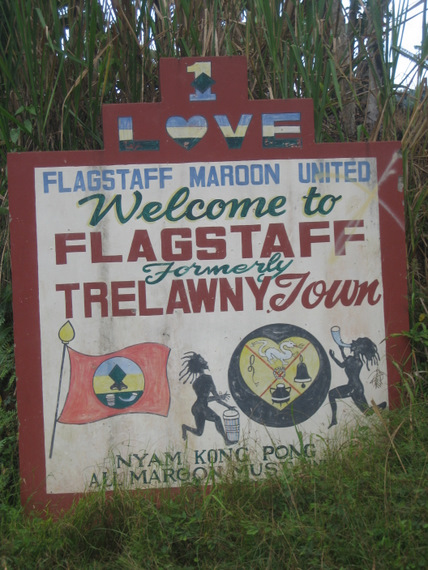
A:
(363, 505)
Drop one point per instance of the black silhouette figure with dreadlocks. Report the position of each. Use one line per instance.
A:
(195, 368)
(363, 351)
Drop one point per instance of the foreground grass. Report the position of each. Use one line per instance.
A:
(364, 506)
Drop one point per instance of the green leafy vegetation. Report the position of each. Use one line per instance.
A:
(365, 505)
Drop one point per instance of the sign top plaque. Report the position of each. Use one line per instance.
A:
(205, 109)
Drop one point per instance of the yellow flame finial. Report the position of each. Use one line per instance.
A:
(66, 333)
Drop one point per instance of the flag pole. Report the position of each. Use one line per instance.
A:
(66, 335)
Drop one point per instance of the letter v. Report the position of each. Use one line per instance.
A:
(234, 138)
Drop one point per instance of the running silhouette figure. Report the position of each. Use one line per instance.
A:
(195, 368)
(363, 351)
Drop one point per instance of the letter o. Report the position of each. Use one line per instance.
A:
(256, 172)
(277, 455)
(210, 214)
(244, 169)
(312, 288)
(196, 470)
(321, 204)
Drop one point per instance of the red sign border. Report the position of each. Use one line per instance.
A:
(25, 268)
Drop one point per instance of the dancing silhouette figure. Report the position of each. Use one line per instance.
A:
(195, 368)
(363, 351)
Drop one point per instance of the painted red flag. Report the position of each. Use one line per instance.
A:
(132, 380)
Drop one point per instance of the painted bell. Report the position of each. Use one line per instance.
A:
(302, 374)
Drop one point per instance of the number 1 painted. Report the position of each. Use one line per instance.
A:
(202, 82)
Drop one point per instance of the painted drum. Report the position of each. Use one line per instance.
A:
(267, 370)
(231, 425)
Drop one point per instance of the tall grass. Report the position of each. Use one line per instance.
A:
(364, 506)
(59, 63)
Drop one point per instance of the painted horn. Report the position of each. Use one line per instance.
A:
(335, 333)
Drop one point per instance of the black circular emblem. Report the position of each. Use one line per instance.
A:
(279, 375)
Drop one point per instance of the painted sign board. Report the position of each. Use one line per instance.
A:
(211, 291)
